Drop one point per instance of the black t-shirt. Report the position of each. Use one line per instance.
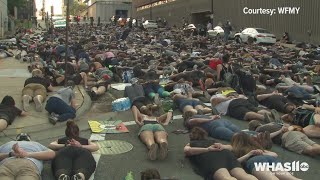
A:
(38, 80)
(276, 102)
(82, 141)
(11, 111)
(206, 164)
(272, 127)
(226, 70)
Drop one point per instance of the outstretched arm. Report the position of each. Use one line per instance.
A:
(137, 115)
(165, 118)
(55, 145)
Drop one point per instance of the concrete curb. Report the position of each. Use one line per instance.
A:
(40, 131)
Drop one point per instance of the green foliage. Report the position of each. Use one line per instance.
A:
(13, 3)
(77, 7)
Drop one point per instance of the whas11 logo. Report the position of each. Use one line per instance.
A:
(294, 166)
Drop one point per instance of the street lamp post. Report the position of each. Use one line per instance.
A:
(67, 38)
(150, 9)
(211, 12)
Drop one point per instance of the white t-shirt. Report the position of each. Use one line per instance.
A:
(222, 107)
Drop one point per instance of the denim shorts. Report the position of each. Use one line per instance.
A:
(259, 159)
(186, 102)
(151, 127)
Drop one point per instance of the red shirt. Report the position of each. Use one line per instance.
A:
(214, 63)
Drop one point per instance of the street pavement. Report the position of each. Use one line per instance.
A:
(114, 167)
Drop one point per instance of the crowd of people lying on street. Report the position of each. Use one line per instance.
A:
(274, 88)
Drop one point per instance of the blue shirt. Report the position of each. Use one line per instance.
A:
(28, 146)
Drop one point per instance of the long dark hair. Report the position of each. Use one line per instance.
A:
(72, 130)
(8, 100)
(198, 133)
(242, 144)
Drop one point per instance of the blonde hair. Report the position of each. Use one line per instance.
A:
(317, 69)
(36, 73)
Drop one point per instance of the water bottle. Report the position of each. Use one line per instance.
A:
(125, 77)
(128, 76)
(129, 176)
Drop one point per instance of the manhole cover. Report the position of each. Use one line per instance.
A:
(112, 147)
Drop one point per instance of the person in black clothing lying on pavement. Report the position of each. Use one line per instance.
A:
(8, 112)
(74, 156)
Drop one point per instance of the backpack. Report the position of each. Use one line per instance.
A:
(246, 81)
(232, 80)
(315, 80)
(302, 117)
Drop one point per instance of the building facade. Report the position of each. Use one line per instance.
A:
(27, 11)
(55, 7)
(3, 17)
(105, 9)
(302, 25)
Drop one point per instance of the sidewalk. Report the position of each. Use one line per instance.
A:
(13, 73)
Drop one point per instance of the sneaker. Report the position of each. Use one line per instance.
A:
(316, 89)
(64, 177)
(94, 96)
(53, 119)
(76, 177)
(25, 102)
(54, 114)
(152, 154)
(163, 151)
(38, 105)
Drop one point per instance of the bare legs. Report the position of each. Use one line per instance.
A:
(205, 110)
(189, 109)
(268, 175)
(313, 130)
(100, 90)
(161, 139)
(38, 99)
(312, 150)
(84, 79)
(260, 115)
(150, 139)
(240, 174)
(223, 174)
(264, 175)
(25, 101)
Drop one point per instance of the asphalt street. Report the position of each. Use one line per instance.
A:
(115, 167)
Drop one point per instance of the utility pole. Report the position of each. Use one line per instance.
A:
(211, 16)
(67, 39)
(150, 9)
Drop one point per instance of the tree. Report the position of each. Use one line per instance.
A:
(77, 7)
(13, 3)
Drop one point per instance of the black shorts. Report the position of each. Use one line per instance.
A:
(76, 78)
(6, 118)
(238, 108)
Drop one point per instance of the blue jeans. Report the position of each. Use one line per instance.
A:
(223, 129)
(298, 92)
(154, 88)
(260, 159)
(226, 37)
(58, 106)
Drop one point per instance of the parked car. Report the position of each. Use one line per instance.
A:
(219, 32)
(255, 35)
(150, 24)
(60, 24)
